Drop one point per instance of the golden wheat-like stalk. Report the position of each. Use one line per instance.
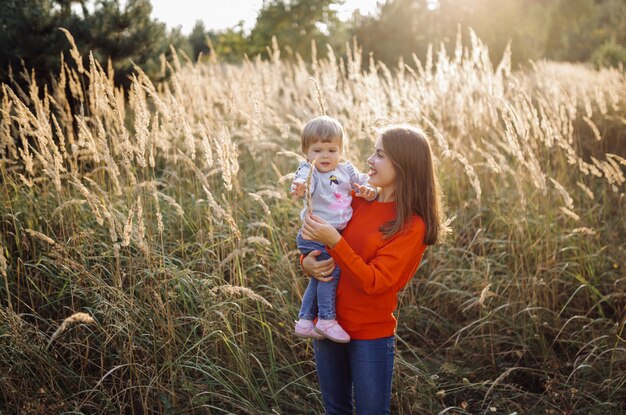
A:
(261, 202)
(41, 236)
(239, 291)
(308, 204)
(76, 318)
(3, 262)
(320, 98)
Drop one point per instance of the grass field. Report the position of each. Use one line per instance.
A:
(148, 260)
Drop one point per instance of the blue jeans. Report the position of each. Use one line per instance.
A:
(319, 297)
(362, 366)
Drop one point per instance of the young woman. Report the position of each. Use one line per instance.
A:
(378, 252)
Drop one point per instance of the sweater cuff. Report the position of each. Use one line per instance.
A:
(341, 248)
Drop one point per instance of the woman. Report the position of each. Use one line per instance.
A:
(378, 252)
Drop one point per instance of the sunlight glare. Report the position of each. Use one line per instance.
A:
(432, 4)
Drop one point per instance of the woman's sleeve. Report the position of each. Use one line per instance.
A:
(398, 259)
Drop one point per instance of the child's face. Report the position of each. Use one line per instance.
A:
(327, 155)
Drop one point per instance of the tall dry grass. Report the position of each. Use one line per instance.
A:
(159, 214)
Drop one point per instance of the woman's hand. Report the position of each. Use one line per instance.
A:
(318, 269)
(317, 229)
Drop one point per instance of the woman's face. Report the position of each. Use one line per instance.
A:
(382, 173)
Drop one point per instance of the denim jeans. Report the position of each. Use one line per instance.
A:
(319, 297)
(362, 366)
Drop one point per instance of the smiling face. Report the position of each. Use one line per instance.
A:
(382, 172)
(326, 154)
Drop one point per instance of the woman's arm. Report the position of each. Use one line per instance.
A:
(396, 260)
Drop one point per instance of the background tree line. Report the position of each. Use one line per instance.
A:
(127, 35)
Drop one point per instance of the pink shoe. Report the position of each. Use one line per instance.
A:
(332, 331)
(306, 330)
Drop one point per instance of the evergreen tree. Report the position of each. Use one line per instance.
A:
(296, 23)
(125, 36)
(198, 40)
(231, 44)
(30, 35)
(401, 28)
(580, 27)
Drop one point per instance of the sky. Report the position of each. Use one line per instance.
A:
(222, 14)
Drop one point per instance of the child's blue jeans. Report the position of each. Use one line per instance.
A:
(319, 297)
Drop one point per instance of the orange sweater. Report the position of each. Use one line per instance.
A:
(373, 269)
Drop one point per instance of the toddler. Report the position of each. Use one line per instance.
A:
(331, 198)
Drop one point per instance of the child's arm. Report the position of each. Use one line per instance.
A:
(298, 190)
(298, 186)
(366, 192)
(359, 182)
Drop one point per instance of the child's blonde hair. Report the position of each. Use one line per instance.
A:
(322, 129)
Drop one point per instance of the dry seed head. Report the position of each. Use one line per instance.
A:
(291, 154)
(159, 216)
(74, 50)
(484, 294)
(142, 121)
(92, 200)
(141, 228)
(217, 209)
(569, 213)
(260, 200)
(586, 190)
(612, 165)
(469, 171)
(584, 230)
(170, 201)
(567, 199)
(206, 147)
(594, 128)
(25, 181)
(230, 219)
(286, 178)
(227, 158)
(86, 139)
(308, 203)
(232, 255)
(271, 193)
(76, 318)
(258, 225)
(320, 98)
(41, 237)
(128, 227)
(239, 291)
(189, 141)
(257, 240)
(3, 262)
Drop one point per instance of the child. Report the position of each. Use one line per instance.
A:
(331, 197)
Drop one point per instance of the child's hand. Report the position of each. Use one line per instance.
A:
(366, 192)
(297, 190)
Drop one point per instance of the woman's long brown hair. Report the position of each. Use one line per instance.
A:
(417, 188)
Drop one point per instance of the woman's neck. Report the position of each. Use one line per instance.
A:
(386, 194)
